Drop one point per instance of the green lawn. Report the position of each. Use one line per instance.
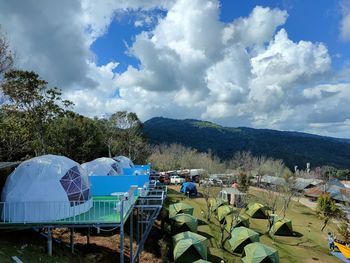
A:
(308, 245)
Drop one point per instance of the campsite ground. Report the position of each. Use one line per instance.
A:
(307, 245)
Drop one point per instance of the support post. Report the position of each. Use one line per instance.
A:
(88, 236)
(49, 241)
(131, 233)
(121, 238)
(72, 240)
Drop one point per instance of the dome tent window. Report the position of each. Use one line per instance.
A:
(77, 189)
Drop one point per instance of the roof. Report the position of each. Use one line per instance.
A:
(5, 165)
(336, 192)
(273, 180)
(231, 190)
(302, 183)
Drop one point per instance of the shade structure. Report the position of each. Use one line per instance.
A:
(256, 210)
(101, 166)
(282, 227)
(241, 220)
(242, 236)
(189, 187)
(44, 189)
(215, 203)
(123, 162)
(180, 207)
(189, 247)
(225, 210)
(184, 222)
(258, 252)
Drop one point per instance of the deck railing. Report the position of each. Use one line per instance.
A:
(66, 212)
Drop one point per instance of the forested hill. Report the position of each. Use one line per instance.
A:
(294, 148)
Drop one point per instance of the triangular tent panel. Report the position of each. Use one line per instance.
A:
(258, 252)
(224, 211)
(215, 203)
(178, 208)
(282, 227)
(242, 236)
(44, 189)
(256, 210)
(101, 166)
(241, 220)
(189, 247)
(123, 162)
(184, 222)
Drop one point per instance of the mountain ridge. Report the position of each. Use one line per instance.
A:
(295, 148)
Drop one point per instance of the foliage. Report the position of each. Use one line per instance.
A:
(327, 209)
(28, 94)
(6, 55)
(243, 182)
(292, 147)
(344, 231)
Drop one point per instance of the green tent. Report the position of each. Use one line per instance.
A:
(224, 211)
(256, 210)
(201, 261)
(282, 227)
(184, 222)
(241, 220)
(215, 203)
(258, 253)
(242, 236)
(189, 247)
(178, 208)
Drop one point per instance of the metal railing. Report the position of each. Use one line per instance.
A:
(66, 212)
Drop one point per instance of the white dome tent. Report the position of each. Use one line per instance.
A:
(46, 188)
(101, 166)
(123, 162)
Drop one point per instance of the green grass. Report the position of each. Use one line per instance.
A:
(308, 244)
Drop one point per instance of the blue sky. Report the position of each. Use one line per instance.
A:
(264, 64)
(313, 20)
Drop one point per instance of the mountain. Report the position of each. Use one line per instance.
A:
(294, 148)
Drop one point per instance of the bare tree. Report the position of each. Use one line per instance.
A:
(6, 55)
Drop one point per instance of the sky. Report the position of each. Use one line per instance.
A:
(278, 64)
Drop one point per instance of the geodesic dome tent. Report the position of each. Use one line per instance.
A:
(101, 166)
(256, 210)
(184, 222)
(282, 227)
(242, 236)
(189, 247)
(123, 162)
(46, 188)
(258, 252)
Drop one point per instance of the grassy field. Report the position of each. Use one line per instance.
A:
(308, 244)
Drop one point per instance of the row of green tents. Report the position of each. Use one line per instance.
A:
(188, 245)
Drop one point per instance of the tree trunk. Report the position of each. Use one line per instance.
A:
(324, 224)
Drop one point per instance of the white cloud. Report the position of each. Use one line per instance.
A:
(192, 65)
(345, 21)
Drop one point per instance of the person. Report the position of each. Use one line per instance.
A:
(330, 241)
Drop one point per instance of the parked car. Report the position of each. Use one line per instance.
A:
(175, 179)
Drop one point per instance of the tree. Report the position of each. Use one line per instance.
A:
(327, 209)
(243, 182)
(29, 94)
(6, 56)
(344, 231)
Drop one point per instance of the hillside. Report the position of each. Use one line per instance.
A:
(294, 148)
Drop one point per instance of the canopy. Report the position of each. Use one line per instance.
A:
(242, 236)
(189, 247)
(46, 188)
(101, 166)
(282, 227)
(258, 252)
(184, 222)
(224, 211)
(178, 208)
(215, 203)
(256, 210)
(123, 162)
(189, 187)
(239, 221)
